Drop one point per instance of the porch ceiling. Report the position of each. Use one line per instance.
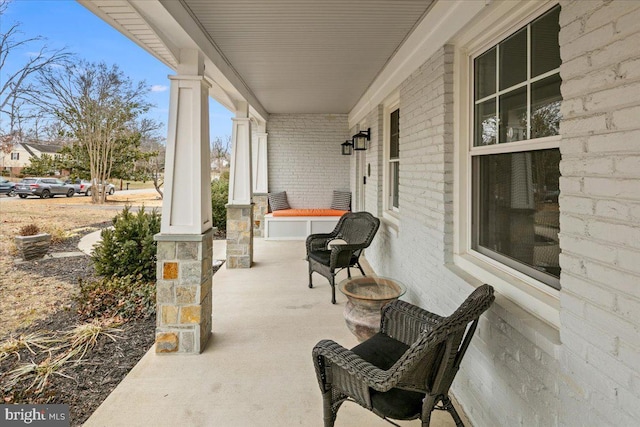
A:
(307, 56)
(283, 56)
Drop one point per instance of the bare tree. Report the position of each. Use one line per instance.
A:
(16, 85)
(99, 105)
(220, 152)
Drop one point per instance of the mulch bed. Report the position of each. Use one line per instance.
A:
(90, 381)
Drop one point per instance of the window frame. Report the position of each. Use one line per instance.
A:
(389, 212)
(503, 21)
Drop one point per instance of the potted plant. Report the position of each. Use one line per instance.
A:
(31, 243)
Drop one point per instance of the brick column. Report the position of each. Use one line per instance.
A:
(185, 278)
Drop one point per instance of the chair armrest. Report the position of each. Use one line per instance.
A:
(405, 322)
(318, 241)
(341, 255)
(342, 359)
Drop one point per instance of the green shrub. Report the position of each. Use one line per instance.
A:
(128, 249)
(128, 297)
(219, 198)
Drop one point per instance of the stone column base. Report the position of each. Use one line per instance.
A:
(239, 236)
(260, 209)
(184, 296)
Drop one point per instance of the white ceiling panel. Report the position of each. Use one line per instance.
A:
(307, 56)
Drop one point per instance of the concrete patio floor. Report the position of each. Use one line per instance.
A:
(257, 368)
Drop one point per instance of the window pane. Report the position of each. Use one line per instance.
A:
(545, 107)
(394, 151)
(513, 116)
(516, 208)
(545, 49)
(485, 74)
(395, 184)
(486, 127)
(513, 60)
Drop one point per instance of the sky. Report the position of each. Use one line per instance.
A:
(66, 23)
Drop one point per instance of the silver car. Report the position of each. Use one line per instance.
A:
(7, 187)
(43, 188)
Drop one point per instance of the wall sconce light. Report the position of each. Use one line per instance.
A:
(347, 148)
(360, 139)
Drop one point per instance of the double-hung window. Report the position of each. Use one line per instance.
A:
(394, 160)
(15, 156)
(514, 154)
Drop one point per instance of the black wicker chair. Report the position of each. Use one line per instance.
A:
(404, 372)
(357, 229)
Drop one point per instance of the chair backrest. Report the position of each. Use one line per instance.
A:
(433, 359)
(357, 228)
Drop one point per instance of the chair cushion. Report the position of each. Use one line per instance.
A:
(383, 351)
(323, 257)
(279, 201)
(341, 200)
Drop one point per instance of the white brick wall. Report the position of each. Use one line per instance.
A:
(506, 377)
(304, 157)
(600, 235)
(517, 372)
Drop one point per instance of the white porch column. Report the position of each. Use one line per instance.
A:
(260, 179)
(186, 236)
(240, 208)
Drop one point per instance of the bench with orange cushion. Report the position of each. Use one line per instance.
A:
(309, 212)
(297, 224)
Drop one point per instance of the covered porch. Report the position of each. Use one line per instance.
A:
(257, 369)
(503, 150)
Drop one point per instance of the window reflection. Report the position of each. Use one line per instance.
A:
(486, 123)
(545, 107)
(517, 211)
(513, 116)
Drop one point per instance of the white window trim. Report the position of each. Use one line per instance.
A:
(389, 213)
(494, 26)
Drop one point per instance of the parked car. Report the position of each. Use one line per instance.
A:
(43, 188)
(7, 187)
(83, 186)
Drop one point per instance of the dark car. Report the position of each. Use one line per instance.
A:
(43, 188)
(7, 187)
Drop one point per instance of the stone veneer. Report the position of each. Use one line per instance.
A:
(184, 297)
(240, 236)
(260, 209)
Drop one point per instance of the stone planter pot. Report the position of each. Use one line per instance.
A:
(33, 247)
(366, 297)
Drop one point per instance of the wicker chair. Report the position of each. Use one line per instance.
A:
(404, 372)
(357, 229)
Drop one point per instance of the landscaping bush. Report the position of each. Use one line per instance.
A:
(128, 249)
(219, 198)
(127, 297)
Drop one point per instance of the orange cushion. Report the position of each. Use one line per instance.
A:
(309, 212)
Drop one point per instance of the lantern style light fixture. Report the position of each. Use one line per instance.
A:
(347, 148)
(360, 139)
